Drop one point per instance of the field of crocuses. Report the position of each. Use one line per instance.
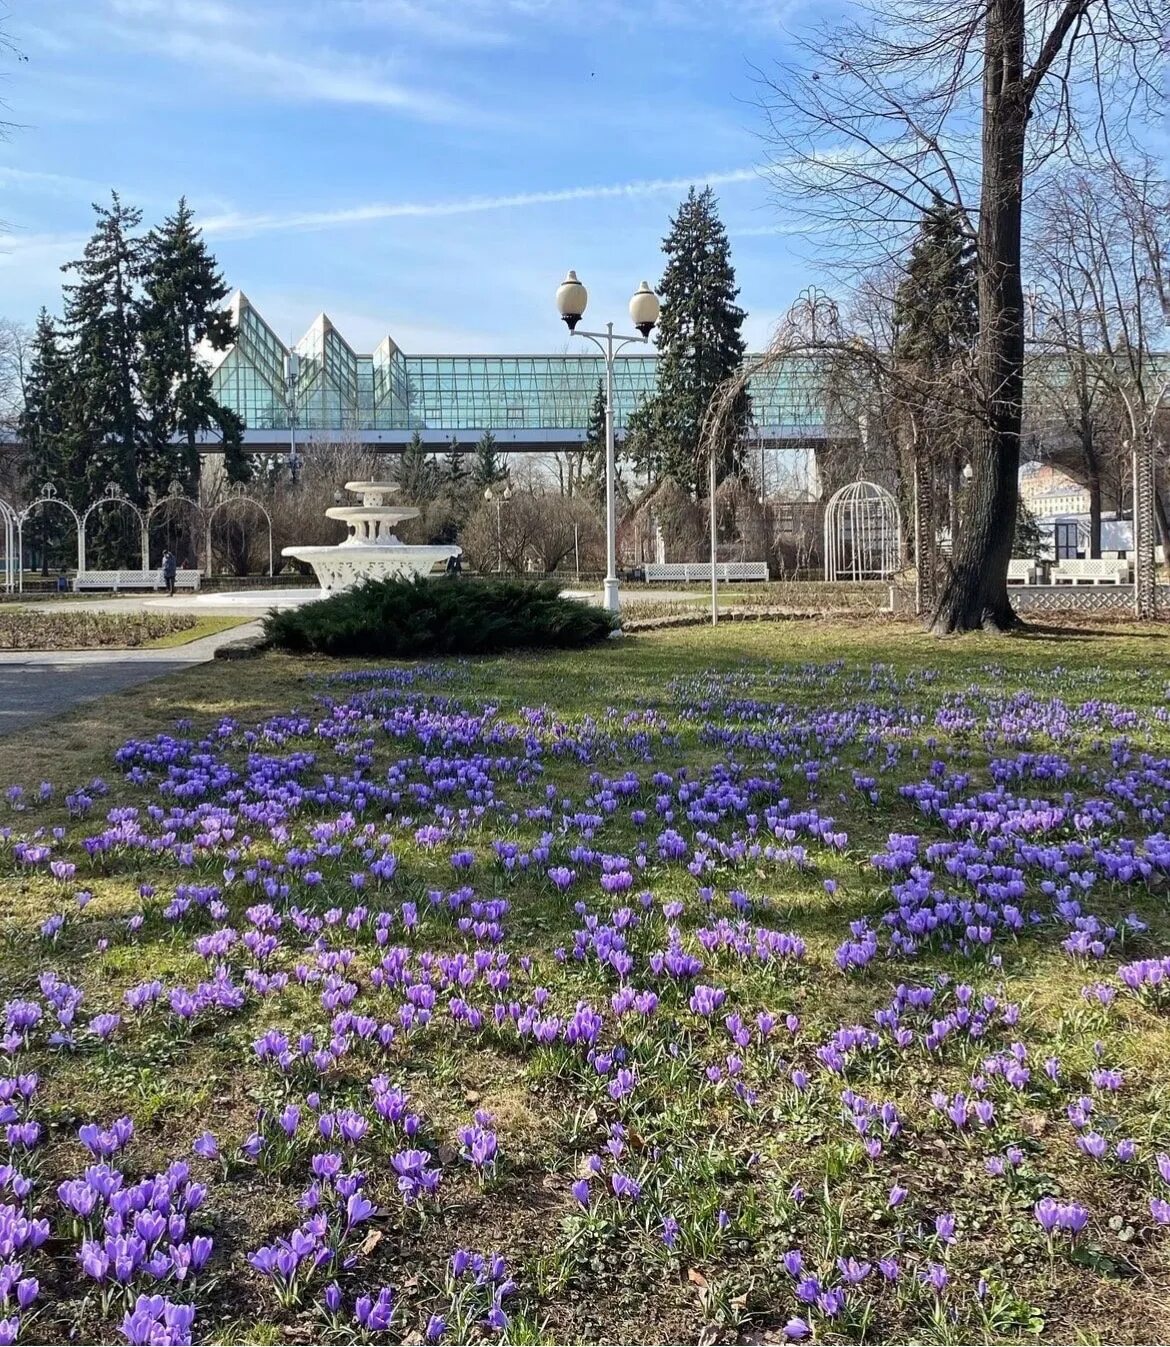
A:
(772, 984)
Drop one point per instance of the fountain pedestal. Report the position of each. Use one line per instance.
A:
(371, 551)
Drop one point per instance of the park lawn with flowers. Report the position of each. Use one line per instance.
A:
(778, 983)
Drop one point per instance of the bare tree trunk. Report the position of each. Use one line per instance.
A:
(1094, 504)
(975, 594)
(1163, 518)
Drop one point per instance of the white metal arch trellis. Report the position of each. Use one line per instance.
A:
(11, 561)
(114, 495)
(173, 498)
(863, 534)
(47, 497)
(238, 497)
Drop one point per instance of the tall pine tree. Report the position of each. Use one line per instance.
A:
(102, 322)
(454, 471)
(489, 465)
(44, 420)
(936, 324)
(182, 309)
(595, 447)
(414, 473)
(44, 429)
(936, 314)
(700, 345)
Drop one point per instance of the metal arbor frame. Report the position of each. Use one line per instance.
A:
(1145, 534)
(171, 499)
(238, 497)
(925, 536)
(11, 560)
(863, 534)
(113, 495)
(47, 497)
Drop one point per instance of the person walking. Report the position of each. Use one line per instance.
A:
(169, 567)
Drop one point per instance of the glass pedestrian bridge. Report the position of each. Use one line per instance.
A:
(540, 402)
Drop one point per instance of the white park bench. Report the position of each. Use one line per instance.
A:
(1021, 572)
(117, 580)
(1075, 572)
(658, 571)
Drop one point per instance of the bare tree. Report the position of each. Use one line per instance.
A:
(921, 100)
(15, 345)
(1070, 411)
(1102, 236)
(534, 531)
(239, 538)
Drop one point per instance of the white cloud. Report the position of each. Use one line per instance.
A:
(322, 80)
(207, 13)
(33, 181)
(446, 25)
(243, 225)
(18, 249)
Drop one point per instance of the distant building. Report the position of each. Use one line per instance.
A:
(1049, 492)
(539, 402)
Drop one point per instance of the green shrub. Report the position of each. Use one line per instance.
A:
(404, 618)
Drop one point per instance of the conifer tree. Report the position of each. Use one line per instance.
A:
(44, 427)
(936, 312)
(700, 345)
(1028, 541)
(595, 447)
(455, 470)
(936, 325)
(182, 308)
(414, 473)
(489, 466)
(102, 322)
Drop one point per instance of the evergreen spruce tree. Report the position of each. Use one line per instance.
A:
(700, 345)
(595, 447)
(182, 308)
(455, 471)
(44, 428)
(102, 322)
(1028, 543)
(414, 473)
(489, 465)
(936, 315)
(238, 464)
(936, 324)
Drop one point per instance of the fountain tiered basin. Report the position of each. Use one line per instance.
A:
(371, 551)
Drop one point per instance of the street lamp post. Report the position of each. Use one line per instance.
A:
(292, 373)
(572, 298)
(490, 495)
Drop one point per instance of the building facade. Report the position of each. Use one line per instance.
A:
(1048, 492)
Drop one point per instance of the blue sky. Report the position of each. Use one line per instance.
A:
(427, 168)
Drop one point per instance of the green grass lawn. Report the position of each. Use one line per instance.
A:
(1053, 742)
(203, 626)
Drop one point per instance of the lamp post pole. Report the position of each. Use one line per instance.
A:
(499, 498)
(644, 309)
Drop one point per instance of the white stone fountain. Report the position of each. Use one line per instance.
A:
(371, 552)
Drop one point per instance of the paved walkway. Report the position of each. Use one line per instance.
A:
(38, 685)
